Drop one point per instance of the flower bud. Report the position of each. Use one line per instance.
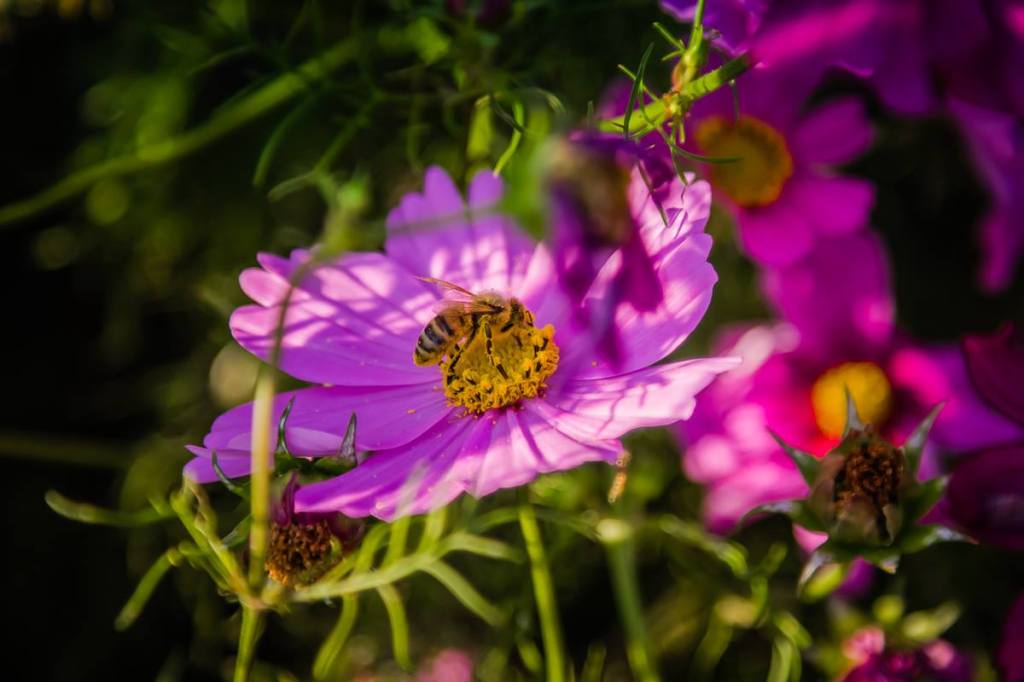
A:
(858, 489)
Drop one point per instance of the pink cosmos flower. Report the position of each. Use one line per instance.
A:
(838, 331)
(873, 661)
(808, 34)
(471, 426)
(782, 192)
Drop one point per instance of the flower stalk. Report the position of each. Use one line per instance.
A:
(543, 592)
(252, 620)
(617, 537)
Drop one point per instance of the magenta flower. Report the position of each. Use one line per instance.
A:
(808, 34)
(995, 138)
(838, 332)
(782, 192)
(604, 188)
(938, 661)
(1011, 650)
(448, 665)
(504, 407)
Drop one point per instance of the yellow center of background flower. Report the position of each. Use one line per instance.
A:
(500, 363)
(867, 383)
(764, 161)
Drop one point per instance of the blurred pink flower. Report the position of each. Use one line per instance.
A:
(872, 661)
(837, 331)
(448, 665)
(783, 192)
(353, 323)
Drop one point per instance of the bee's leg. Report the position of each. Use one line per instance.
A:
(489, 344)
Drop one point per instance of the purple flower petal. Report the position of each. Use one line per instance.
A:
(835, 132)
(834, 205)
(436, 234)
(986, 496)
(387, 416)
(352, 322)
(756, 483)
(610, 407)
(775, 235)
(840, 300)
(939, 374)
(233, 463)
(646, 337)
(477, 455)
(996, 366)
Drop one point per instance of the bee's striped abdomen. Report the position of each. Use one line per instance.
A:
(433, 341)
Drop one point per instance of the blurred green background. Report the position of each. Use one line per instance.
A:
(118, 296)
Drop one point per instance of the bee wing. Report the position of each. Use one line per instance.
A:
(450, 289)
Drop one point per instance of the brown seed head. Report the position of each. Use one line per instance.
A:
(300, 553)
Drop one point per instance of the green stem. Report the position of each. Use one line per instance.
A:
(259, 480)
(617, 537)
(543, 592)
(227, 120)
(657, 111)
(719, 78)
(247, 638)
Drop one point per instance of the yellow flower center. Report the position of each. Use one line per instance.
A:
(764, 164)
(867, 384)
(501, 361)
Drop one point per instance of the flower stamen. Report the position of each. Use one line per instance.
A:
(869, 388)
(502, 360)
(764, 164)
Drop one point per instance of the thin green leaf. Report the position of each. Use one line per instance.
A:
(923, 497)
(784, 657)
(807, 463)
(147, 585)
(467, 595)
(922, 627)
(519, 118)
(399, 625)
(914, 444)
(635, 90)
(920, 537)
(433, 528)
(232, 487)
(273, 143)
(239, 534)
(593, 666)
(481, 546)
(87, 513)
(327, 656)
(667, 35)
(397, 539)
(820, 577)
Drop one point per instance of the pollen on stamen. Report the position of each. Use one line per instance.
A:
(508, 364)
(300, 553)
(763, 163)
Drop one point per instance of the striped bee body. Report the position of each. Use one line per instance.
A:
(461, 318)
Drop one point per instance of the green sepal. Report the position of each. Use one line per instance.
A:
(917, 538)
(282, 446)
(228, 483)
(807, 463)
(923, 497)
(347, 451)
(853, 420)
(921, 627)
(914, 445)
(797, 510)
(821, 575)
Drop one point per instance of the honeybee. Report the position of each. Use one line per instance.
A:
(462, 317)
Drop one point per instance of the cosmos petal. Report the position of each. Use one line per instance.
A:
(352, 321)
(435, 234)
